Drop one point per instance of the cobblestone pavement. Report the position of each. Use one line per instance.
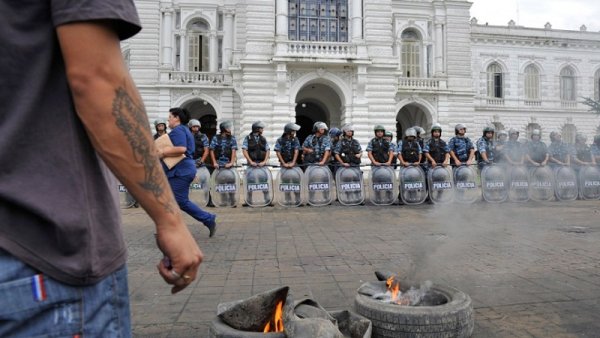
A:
(531, 269)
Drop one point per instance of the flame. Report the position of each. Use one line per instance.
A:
(276, 323)
(393, 286)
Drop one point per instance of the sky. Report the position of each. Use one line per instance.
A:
(562, 14)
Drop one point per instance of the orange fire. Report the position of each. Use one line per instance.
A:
(393, 286)
(276, 323)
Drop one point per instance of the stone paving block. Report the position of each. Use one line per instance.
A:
(528, 275)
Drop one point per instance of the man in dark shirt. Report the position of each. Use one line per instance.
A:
(62, 253)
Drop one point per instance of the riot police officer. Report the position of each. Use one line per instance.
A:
(348, 150)
(287, 146)
(334, 135)
(160, 125)
(317, 146)
(436, 150)
(537, 152)
(223, 147)
(582, 153)
(255, 147)
(500, 144)
(388, 136)
(201, 140)
(409, 150)
(379, 149)
(559, 151)
(486, 147)
(420, 133)
(256, 150)
(513, 149)
(460, 146)
(595, 149)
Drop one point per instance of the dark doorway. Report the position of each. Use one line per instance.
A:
(307, 113)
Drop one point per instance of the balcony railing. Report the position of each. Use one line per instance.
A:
(202, 78)
(568, 104)
(418, 83)
(533, 103)
(495, 101)
(337, 50)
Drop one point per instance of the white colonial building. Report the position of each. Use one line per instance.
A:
(398, 63)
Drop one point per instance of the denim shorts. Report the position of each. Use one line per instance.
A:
(35, 305)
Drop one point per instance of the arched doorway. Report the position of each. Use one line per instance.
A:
(412, 115)
(317, 102)
(206, 114)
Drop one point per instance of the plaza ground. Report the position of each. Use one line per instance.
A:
(532, 269)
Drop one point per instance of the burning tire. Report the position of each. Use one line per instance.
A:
(448, 314)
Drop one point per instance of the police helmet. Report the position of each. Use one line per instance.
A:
(194, 123)
(289, 127)
(410, 132)
(488, 129)
(258, 125)
(436, 126)
(225, 125)
(554, 134)
(347, 127)
(459, 127)
(502, 132)
(379, 127)
(335, 132)
(419, 130)
(581, 137)
(536, 132)
(319, 125)
(513, 131)
(388, 134)
(159, 121)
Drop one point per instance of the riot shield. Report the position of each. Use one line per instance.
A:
(349, 184)
(465, 184)
(494, 183)
(383, 186)
(441, 185)
(200, 187)
(413, 189)
(125, 199)
(519, 184)
(258, 184)
(224, 187)
(319, 184)
(565, 186)
(290, 190)
(541, 184)
(589, 183)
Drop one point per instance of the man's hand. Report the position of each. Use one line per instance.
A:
(184, 256)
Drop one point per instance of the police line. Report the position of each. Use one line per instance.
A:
(385, 185)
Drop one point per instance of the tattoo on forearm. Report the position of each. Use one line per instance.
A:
(131, 119)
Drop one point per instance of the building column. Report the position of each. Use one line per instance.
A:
(167, 38)
(183, 56)
(213, 62)
(357, 20)
(228, 38)
(281, 20)
(439, 49)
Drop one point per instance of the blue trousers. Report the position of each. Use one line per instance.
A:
(181, 190)
(32, 304)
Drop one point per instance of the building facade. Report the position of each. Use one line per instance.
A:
(398, 63)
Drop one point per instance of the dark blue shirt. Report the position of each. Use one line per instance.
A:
(182, 137)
